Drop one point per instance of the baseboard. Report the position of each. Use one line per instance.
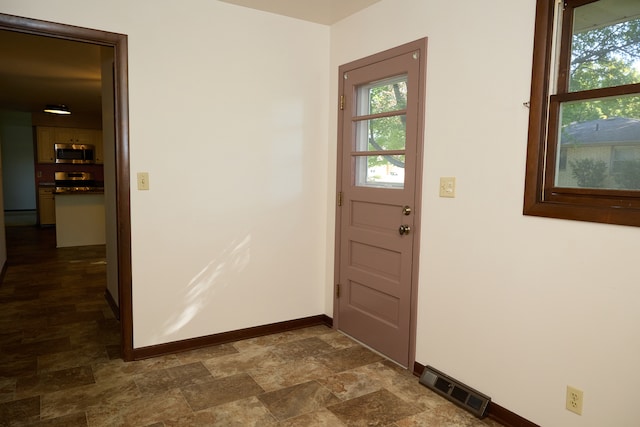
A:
(231, 336)
(495, 412)
(112, 303)
(508, 418)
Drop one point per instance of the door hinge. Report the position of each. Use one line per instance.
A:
(338, 290)
(339, 198)
(341, 102)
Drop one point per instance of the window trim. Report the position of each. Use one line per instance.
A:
(603, 206)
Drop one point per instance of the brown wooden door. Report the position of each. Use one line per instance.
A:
(377, 224)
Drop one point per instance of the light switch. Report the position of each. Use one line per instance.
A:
(448, 186)
(143, 180)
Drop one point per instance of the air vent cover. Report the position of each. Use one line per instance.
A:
(460, 394)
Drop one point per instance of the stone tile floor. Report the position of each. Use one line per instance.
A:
(60, 364)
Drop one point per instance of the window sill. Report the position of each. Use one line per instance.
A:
(600, 214)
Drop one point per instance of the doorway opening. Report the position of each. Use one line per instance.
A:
(120, 175)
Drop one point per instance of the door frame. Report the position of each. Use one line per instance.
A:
(121, 115)
(419, 45)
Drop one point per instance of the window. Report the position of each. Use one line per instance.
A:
(381, 132)
(583, 157)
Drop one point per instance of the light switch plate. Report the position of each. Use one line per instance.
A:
(143, 180)
(447, 186)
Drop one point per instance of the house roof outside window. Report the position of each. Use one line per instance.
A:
(612, 130)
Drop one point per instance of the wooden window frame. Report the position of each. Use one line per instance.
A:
(541, 196)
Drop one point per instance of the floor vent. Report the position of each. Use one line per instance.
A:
(460, 394)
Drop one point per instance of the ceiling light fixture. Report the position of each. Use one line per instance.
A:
(57, 109)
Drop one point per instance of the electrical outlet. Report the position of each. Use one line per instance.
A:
(574, 400)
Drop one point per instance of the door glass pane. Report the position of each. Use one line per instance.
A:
(382, 96)
(380, 171)
(599, 144)
(605, 47)
(385, 133)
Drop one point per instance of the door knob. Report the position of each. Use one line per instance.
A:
(404, 229)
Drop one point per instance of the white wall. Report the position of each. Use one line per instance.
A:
(228, 115)
(540, 303)
(231, 234)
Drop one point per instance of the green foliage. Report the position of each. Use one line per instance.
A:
(387, 133)
(589, 172)
(605, 73)
(604, 49)
(583, 111)
(628, 174)
(604, 57)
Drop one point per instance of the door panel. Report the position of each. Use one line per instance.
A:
(383, 262)
(372, 302)
(373, 216)
(380, 145)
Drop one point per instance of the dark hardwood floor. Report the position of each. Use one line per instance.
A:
(53, 318)
(55, 295)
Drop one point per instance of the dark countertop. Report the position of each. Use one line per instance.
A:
(71, 192)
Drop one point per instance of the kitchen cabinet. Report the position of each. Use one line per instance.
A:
(45, 140)
(74, 136)
(47, 137)
(46, 206)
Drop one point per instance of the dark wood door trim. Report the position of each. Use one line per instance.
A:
(123, 205)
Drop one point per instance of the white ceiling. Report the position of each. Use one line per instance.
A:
(35, 70)
(320, 11)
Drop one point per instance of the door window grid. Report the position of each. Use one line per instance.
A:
(380, 133)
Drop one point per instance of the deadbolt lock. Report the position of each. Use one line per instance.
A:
(406, 210)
